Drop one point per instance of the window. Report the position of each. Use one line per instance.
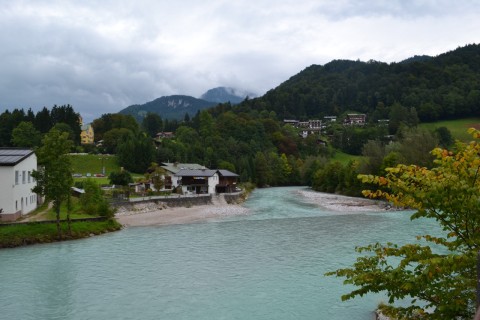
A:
(29, 176)
(16, 177)
(24, 177)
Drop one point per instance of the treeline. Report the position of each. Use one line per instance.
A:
(442, 87)
(262, 150)
(20, 128)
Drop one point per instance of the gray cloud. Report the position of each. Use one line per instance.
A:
(101, 56)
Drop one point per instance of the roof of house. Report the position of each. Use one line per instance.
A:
(176, 167)
(12, 156)
(195, 173)
(226, 173)
(204, 173)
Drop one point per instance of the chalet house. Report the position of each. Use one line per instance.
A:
(165, 135)
(307, 127)
(353, 119)
(194, 181)
(227, 181)
(291, 122)
(330, 118)
(16, 183)
(206, 181)
(172, 168)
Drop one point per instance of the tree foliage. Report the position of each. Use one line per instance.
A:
(42, 121)
(25, 135)
(92, 200)
(54, 176)
(156, 174)
(136, 153)
(122, 178)
(440, 277)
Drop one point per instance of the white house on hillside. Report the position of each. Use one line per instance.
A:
(173, 168)
(197, 181)
(206, 181)
(16, 183)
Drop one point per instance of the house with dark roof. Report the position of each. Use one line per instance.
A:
(354, 119)
(172, 168)
(227, 181)
(16, 183)
(205, 181)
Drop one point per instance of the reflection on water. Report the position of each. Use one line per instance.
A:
(267, 265)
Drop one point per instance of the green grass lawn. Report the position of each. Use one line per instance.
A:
(91, 163)
(98, 180)
(23, 234)
(458, 128)
(344, 158)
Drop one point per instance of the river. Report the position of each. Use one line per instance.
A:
(268, 264)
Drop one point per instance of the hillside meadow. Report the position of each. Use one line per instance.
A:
(458, 128)
(91, 163)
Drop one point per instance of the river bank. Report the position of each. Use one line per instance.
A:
(153, 213)
(147, 214)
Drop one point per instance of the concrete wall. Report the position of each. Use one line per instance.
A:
(171, 201)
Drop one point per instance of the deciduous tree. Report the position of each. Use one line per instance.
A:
(25, 135)
(54, 177)
(438, 275)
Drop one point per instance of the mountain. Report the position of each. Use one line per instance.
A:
(443, 87)
(226, 94)
(169, 107)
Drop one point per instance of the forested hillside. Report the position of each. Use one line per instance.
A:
(442, 87)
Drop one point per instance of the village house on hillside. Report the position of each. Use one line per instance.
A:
(307, 127)
(172, 168)
(86, 135)
(206, 181)
(16, 183)
(353, 119)
(192, 178)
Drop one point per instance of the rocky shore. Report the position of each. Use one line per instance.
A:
(152, 213)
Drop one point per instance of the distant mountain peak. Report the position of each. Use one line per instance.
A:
(169, 107)
(226, 94)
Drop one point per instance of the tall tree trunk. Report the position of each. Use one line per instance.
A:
(59, 228)
(68, 216)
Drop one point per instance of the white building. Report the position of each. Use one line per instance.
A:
(197, 181)
(16, 183)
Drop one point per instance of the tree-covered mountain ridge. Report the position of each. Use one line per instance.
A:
(443, 87)
(169, 107)
(176, 106)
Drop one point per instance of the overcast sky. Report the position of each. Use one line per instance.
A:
(102, 56)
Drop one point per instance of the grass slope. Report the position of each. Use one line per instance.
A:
(458, 128)
(91, 163)
(23, 234)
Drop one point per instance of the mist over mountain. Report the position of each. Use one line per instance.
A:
(226, 94)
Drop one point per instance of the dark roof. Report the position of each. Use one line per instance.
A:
(226, 173)
(195, 173)
(176, 167)
(12, 156)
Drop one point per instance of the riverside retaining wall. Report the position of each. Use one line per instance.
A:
(180, 200)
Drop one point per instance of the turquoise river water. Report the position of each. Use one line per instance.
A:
(268, 264)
